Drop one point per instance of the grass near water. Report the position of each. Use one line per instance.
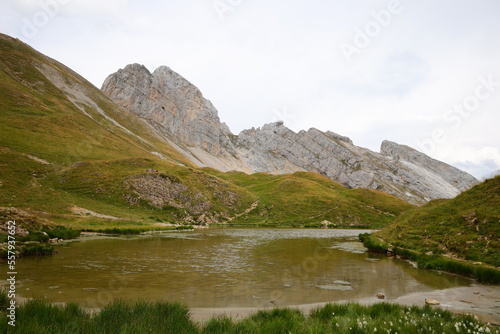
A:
(482, 273)
(466, 226)
(39, 316)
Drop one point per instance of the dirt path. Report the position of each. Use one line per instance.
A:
(480, 300)
(84, 212)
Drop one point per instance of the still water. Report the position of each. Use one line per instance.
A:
(223, 267)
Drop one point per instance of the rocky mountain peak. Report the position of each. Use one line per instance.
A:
(172, 80)
(170, 104)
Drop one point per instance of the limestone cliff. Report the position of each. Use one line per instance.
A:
(178, 112)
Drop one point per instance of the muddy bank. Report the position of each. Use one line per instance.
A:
(482, 301)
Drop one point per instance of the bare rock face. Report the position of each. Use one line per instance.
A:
(459, 179)
(175, 106)
(178, 112)
(398, 170)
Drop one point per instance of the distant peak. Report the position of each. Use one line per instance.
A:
(163, 70)
(136, 67)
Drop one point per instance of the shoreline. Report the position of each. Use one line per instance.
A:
(482, 301)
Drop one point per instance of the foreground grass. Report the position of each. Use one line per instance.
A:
(39, 316)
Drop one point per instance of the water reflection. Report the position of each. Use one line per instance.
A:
(223, 267)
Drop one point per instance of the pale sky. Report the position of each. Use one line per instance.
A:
(421, 73)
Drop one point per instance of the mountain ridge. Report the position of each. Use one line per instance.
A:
(194, 127)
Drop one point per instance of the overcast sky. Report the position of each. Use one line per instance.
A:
(423, 73)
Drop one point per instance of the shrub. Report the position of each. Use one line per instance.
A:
(184, 227)
(36, 249)
(62, 232)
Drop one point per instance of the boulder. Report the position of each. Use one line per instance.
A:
(430, 301)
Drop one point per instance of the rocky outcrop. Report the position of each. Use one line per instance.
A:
(177, 110)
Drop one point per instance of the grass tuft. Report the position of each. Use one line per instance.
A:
(36, 249)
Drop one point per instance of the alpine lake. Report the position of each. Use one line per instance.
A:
(223, 267)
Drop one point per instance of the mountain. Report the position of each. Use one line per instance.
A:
(178, 112)
(71, 155)
(466, 226)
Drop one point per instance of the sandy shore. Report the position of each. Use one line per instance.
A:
(482, 301)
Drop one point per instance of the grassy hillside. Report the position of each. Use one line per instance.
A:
(467, 226)
(308, 199)
(46, 128)
(70, 155)
(123, 188)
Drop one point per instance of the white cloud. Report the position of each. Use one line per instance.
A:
(480, 162)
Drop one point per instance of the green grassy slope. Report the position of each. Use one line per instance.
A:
(39, 119)
(467, 226)
(66, 149)
(307, 199)
(123, 188)
(43, 131)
